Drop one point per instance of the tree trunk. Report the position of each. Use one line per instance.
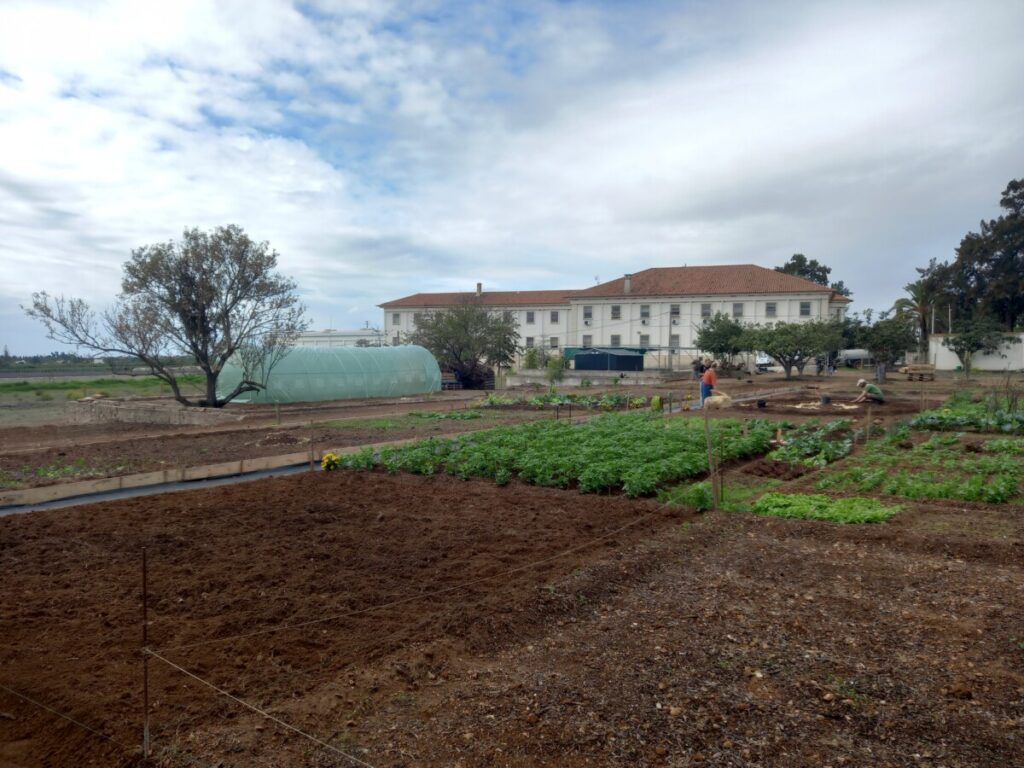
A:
(788, 368)
(880, 373)
(211, 391)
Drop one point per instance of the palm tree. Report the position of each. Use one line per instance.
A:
(917, 304)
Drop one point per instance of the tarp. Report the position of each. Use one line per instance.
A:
(340, 373)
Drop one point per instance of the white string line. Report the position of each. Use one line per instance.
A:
(411, 598)
(62, 715)
(259, 711)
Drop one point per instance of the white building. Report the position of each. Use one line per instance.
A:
(660, 309)
(331, 338)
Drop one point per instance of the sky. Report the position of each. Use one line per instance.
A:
(386, 148)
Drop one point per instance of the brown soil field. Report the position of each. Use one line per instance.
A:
(46, 455)
(441, 628)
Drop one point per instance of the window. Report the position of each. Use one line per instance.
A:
(673, 341)
(705, 310)
(673, 311)
(396, 318)
(645, 340)
(588, 313)
(770, 309)
(506, 316)
(805, 309)
(616, 312)
(588, 340)
(645, 311)
(554, 315)
(737, 309)
(616, 340)
(529, 318)
(395, 341)
(554, 342)
(529, 342)
(416, 317)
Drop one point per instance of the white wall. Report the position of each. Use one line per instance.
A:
(541, 330)
(944, 360)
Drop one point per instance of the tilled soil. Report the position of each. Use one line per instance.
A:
(716, 640)
(107, 458)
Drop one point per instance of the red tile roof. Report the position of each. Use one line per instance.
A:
(704, 281)
(491, 298)
(657, 281)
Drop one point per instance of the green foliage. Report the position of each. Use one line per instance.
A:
(532, 359)
(698, 496)
(468, 338)
(91, 385)
(810, 269)
(722, 336)
(888, 338)
(815, 446)
(983, 335)
(656, 404)
(994, 413)
(555, 369)
(938, 468)
(497, 401)
(793, 345)
(446, 415)
(211, 295)
(634, 452)
(820, 507)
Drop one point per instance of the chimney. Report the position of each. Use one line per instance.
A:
(627, 284)
(479, 289)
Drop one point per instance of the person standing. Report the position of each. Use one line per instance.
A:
(708, 382)
(698, 368)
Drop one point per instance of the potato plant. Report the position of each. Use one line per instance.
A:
(635, 452)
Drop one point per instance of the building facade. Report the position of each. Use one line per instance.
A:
(660, 309)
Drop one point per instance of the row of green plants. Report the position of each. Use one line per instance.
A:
(993, 412)
(610, 401)
(637, 453)
(805, 506)
(936, 468)
(814, 445)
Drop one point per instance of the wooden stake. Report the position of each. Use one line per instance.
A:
(311, 448)
(712, 470)
(145, 658)
(867, 428)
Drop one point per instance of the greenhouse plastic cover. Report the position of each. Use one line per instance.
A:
(338, 373)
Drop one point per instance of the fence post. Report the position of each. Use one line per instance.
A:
(145, 658)
(712, 469)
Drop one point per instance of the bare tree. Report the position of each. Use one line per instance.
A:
(209, 296)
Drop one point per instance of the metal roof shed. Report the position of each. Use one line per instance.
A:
(608, 360)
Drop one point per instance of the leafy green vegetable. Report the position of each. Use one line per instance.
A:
(850, 509)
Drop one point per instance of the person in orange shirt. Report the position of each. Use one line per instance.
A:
(708, 382)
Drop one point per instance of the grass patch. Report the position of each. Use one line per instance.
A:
(738, 493)
(850, 509)
(93, 385)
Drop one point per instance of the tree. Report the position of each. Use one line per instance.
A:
(722, 336)
(970, 337)
(468, 338)
(887, 339)
(793, 345)
(918, 305)
(811, 269)
(211, 296)
(991, 262)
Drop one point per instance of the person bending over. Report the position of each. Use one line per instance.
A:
(870, 392)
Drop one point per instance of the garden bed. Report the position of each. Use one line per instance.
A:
(109, 458)
(679, 640)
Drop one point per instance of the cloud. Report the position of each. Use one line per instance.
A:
(389, 148)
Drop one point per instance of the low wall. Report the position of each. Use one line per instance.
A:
(574, 378)
(142, 412)
(944, 360)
